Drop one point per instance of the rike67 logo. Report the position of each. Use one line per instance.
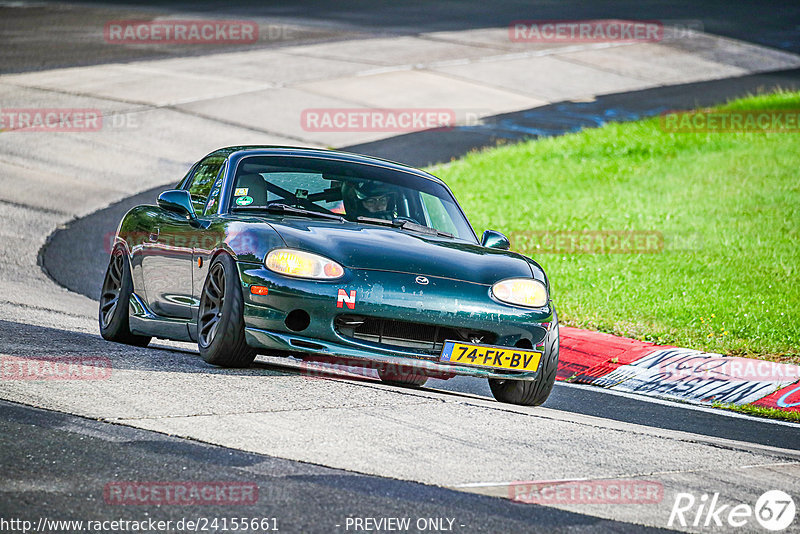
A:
(774, 511)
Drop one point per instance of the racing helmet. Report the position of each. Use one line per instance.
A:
(369, 199)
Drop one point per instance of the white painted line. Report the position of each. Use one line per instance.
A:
(381, 70)
(597, 421)
(613, 477)
(524, 55)
(674, 404)
(779, 464)
(493, 484)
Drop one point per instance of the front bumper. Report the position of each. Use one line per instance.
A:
(389, 295)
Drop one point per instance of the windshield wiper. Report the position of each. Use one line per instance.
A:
(278, 207)
(421, 228)
(371, 220)
(405, 225)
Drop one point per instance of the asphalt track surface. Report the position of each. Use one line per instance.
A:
(67, 461)
(57, 464)
(772, 23)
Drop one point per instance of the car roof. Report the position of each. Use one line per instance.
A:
(338, 155)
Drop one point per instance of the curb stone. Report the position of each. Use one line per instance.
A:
(674, 373)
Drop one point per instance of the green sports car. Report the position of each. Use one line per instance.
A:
(325, 255)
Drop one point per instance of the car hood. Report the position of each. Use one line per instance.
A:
(362, 246)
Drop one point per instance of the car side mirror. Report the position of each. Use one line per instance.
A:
(177, 201)
(492, 239)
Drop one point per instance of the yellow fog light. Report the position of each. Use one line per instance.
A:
(302, 264)
(521, 292)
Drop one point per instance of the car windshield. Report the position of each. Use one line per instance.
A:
(354, 191)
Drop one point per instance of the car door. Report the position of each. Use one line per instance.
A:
(167, 258)
(204, 247)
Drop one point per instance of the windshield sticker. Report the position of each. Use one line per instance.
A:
(244, 201)
(240, 191)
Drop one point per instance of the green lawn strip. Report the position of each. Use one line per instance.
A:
(761, 411)
(726, 204)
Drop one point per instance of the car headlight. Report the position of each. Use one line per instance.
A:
(302, 264)
(521, 292)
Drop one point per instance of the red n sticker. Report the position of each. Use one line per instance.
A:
(342, 298)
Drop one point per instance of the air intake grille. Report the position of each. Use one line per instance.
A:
(404, 334)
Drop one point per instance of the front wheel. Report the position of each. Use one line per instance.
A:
(114, 298)
(531, 393)
(220, 322)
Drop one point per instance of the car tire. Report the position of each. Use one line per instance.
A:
(220, 322)
(535, 392)
(401, 375)
(115, 295)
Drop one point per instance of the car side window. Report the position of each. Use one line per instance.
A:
(213, 198)
(436, 213)
(186, 178)
(203, 180)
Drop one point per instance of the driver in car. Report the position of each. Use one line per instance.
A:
(369, 199)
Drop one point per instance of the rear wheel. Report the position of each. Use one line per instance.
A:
(220, 323)
(531, 393)
(114, 298)
(401, 375)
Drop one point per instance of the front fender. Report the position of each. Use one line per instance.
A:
(244, 241)
(250, 242)
(538, 273)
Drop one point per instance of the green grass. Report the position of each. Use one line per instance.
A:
(761, 411)
(727, 205)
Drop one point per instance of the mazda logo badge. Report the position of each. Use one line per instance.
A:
(421, 280)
